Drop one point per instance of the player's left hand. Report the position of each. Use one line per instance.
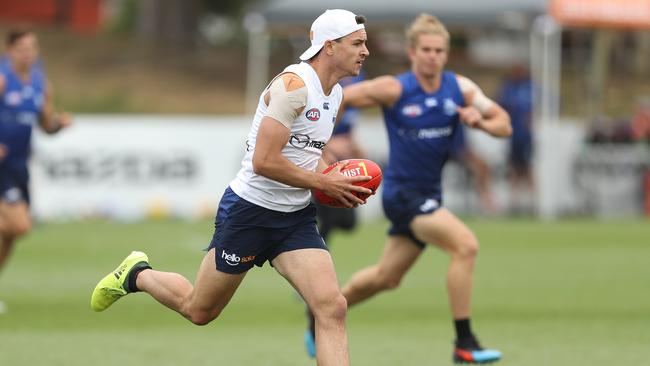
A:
(470, 116)
(64, 119)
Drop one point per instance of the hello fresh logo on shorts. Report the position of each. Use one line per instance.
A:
(233, 259)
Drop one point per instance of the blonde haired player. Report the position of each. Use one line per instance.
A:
(423, 108)
(265, 214)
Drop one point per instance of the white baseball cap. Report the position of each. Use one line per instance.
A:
(332, 24)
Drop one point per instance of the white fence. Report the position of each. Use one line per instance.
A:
(132, 166)
(128, 167)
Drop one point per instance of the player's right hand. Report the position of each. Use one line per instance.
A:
(340, 187)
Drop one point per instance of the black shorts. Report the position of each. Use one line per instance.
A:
(521, 155)
(402, 205)
(247, 234)
(14, 185)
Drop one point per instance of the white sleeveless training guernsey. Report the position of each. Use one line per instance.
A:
(310, 131)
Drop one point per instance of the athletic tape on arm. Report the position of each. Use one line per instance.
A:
(479, 100)
(283, 104)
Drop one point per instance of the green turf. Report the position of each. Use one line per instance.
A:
(562, 293)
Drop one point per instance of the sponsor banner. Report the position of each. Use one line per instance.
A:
(602, 13)
(130, 167)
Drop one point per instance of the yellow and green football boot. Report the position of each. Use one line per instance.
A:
(119, 282)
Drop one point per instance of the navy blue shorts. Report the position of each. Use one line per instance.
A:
(247, 234)
(521, 155)
(402, 205)
(14, 185)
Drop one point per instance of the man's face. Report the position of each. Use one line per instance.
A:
(24, 51)
(351, 51)
(429, 55)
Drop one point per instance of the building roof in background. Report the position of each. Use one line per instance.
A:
(479, 12)
(633, 14)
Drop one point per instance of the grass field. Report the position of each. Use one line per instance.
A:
(564, 293)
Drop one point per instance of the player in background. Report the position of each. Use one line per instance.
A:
(342, 145)
(422, 108)
(516, 97)
(265, 214)
(25, 102)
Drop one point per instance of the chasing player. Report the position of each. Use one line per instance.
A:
(422, 108)
(25, 101)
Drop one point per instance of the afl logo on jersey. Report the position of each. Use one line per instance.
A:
(412, 110)
(313, 114)
(13, 98)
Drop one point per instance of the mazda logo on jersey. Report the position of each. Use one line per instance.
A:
(302, 141)
(313, 114)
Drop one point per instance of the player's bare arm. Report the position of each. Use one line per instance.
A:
(380, 91)
(482, 112)
(51, 120)
(274, 132)
(3, 84)
(322, 164)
